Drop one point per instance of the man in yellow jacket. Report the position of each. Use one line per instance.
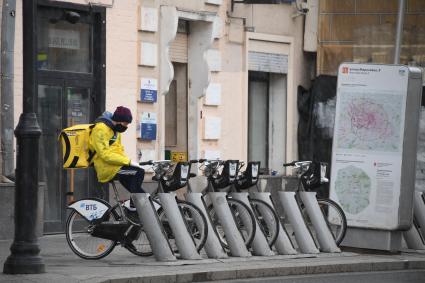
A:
(110, 160)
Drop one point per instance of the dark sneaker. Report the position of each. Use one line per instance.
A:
(132, 216)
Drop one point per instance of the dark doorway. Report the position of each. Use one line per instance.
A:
(71, 90)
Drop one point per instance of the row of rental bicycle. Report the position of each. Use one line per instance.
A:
(287, 223)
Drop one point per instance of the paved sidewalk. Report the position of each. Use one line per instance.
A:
(121, 266)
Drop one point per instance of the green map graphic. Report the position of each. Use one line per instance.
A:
(352, 187)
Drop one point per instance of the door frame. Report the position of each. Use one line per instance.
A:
(96, 81)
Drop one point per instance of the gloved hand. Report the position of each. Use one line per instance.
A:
(135, 164)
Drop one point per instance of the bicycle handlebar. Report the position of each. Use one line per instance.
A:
(297, 164)
(150, 162)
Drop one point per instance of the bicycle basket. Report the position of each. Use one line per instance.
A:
(314, 176)
(179, 178)
(227, 176)
(248, 178)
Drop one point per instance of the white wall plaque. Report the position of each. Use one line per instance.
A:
(212, 128)
(213, 95)
(214, 60)
(236, 31)
(214, 2)
(148, 19)
(217, 28)
(148, 54)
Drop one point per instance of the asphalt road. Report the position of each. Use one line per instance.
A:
(405, 276)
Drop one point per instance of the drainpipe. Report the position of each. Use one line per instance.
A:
(399, 34)
(7, 66)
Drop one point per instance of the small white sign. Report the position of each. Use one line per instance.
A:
(212, 128)
(148, 54)
(213, 94)
(148, 19)
(65, 39)
(217, 28)
(148, 118)
(214, 60)
(149, 83)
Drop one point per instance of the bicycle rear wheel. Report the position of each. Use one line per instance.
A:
(195, 222)
(267, 219)
(244, 219)
(334, 216)
(78, 235)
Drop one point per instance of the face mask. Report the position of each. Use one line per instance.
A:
(120, 128)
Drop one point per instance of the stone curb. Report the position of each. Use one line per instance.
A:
(302, 269)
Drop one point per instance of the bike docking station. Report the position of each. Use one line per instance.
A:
(374, 152)
(184, 241)
(247, 222)
(259, 245)
(303, 235)
(212, 246)
(415, 236)
(283, 243)
(153, 228)
(233, 236)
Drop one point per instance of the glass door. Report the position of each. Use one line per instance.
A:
(258, 118)
(50, 113)
(61, 104)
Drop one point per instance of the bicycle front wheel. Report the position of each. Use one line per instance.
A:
(267, 219)
(244, 219)
(334, 216)
(195, 221)
(82, 243)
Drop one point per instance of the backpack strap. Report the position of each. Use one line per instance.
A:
(67, 146)
(113, 139)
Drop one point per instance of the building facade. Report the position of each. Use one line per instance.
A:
(203, 79)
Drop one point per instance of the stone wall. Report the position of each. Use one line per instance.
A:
(7, 210)
(364, 31)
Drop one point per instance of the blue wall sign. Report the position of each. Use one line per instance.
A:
(148, 90)
(148, 126)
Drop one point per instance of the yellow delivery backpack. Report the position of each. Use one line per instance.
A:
(75, 146)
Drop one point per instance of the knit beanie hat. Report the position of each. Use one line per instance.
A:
(122, 114)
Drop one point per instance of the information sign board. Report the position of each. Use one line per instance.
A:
(369, 145)
(148, 90)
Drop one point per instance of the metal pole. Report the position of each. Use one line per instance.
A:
(399, 34)
(7, 52)
(25, 258)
